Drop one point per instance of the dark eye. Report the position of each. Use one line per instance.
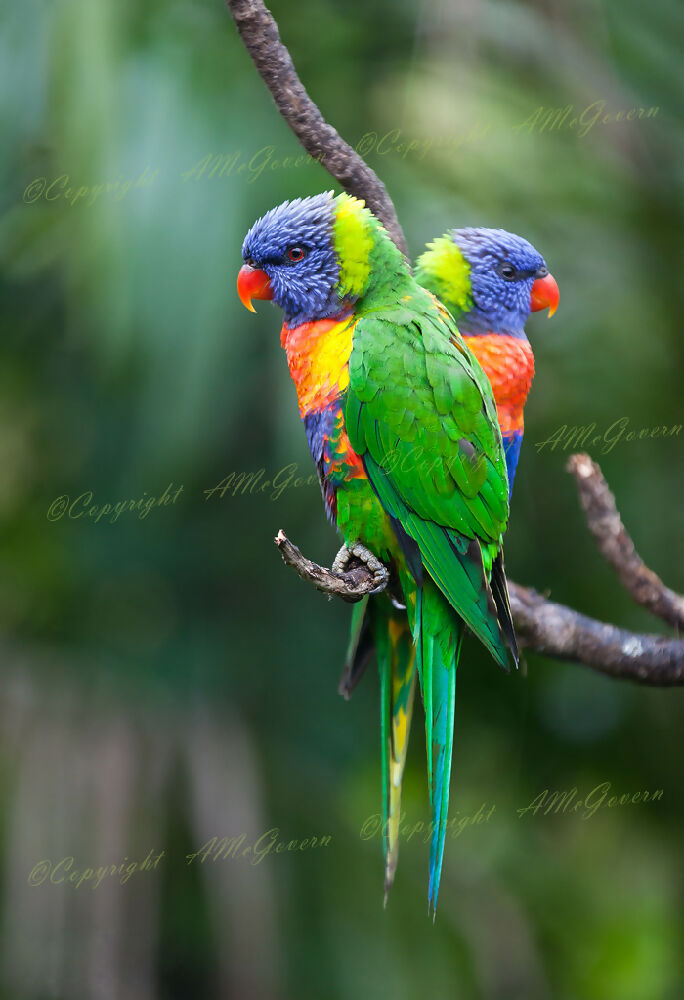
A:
(296, 254)
(507, 271)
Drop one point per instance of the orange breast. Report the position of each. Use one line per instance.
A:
(318, 357)
(508, 363)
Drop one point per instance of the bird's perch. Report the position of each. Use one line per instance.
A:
(351, 586)
(554, 629)
(543, 626)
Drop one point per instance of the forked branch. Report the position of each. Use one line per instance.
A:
(554, 629)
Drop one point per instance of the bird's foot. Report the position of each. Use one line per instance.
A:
(341, 561)
(358, 551)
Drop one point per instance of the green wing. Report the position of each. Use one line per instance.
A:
(420, 413)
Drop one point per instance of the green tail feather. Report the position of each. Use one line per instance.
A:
(439, 634)
(396, 664)
(359, 649)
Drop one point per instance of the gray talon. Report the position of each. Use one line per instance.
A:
(367, 557)
(341, 560)
(364, 555)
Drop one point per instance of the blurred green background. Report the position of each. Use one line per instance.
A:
(166, 679)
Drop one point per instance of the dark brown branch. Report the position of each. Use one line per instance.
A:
(547, 628)
(561, 632)
(617, 548)
(350, 586)
(259, 33)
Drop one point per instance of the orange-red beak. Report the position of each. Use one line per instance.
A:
(253, 284)
(545, 294)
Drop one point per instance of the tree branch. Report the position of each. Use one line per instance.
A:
(617, 548)
(259, 33)
(558, 631)
(554, 629)
(350, 586)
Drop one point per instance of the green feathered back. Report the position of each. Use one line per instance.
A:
(420, 413)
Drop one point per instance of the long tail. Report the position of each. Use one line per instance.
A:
(396, 663)
(439, 632)
(377, 624)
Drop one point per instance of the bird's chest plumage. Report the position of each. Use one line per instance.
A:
(318, 357)
(508, 363)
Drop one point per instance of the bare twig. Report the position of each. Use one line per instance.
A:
(617, 548)
(259, 33)
(350, 586)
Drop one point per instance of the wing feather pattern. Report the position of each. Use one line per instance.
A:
(427, 433)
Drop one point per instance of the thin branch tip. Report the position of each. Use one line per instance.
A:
(615, 545)
(352, 585)
(259, 33)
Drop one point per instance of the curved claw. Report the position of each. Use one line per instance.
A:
(358, 551)
(341, 561)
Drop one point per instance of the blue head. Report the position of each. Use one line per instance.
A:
(290, 257)
(490, 279)
(317, 257)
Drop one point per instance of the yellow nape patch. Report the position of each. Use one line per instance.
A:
(447, 270)
(353, 243)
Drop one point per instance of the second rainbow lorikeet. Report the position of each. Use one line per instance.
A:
(490, 280)
(402, 427)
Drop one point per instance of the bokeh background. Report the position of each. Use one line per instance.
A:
(166, 679)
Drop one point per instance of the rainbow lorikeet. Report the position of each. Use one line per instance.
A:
(402, 427)
(490, 280)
